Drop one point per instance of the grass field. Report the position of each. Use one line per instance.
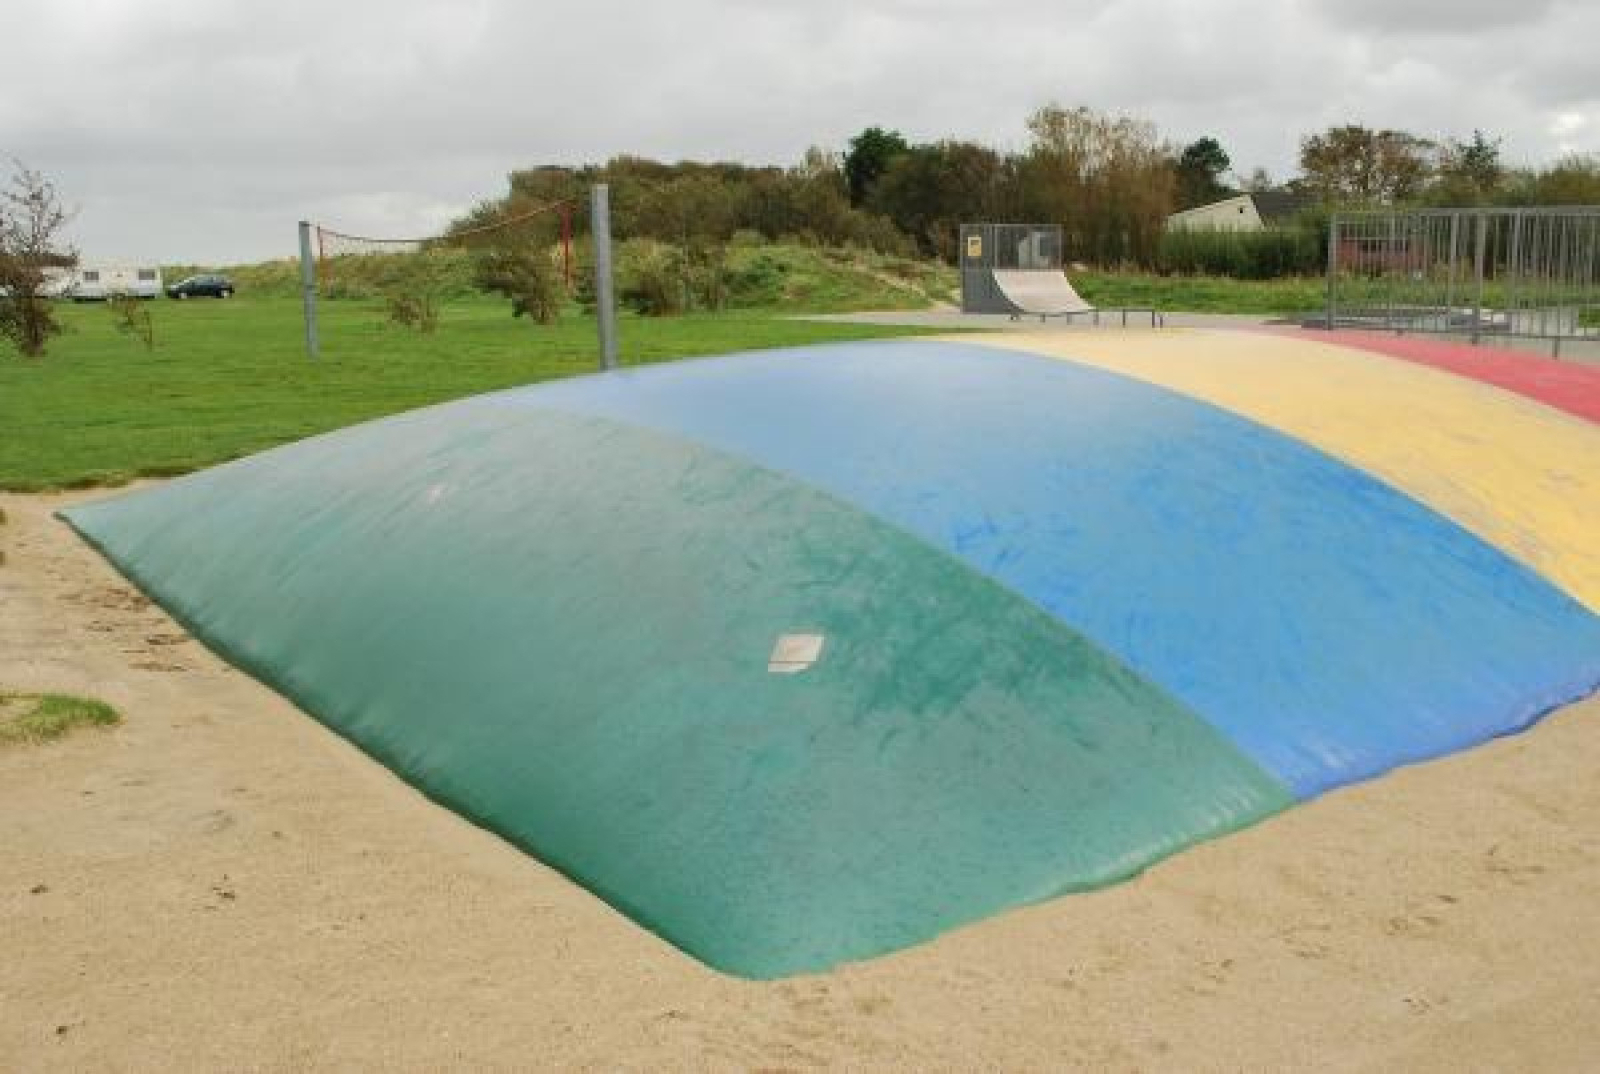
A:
(228, 378)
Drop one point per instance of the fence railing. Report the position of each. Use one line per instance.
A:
(1480, 273)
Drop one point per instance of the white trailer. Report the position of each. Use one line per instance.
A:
(93, 281)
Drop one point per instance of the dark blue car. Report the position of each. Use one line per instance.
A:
(203, 286)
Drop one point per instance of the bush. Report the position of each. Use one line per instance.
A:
(412, 285)
(1243, 255)
(415, 310)
(527, 277)
(656, 278)
(761, 278)
(652, 278)
(706, 270)
(132, 318)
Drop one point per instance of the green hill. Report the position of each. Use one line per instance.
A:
(755, 275)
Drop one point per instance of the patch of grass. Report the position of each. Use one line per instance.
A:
(229, 378)
(29, 718)
(1202, 294)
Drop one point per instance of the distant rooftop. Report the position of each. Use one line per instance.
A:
(1275, 206)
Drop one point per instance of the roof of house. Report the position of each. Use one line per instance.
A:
(1273, 206)
(1278, 205)
(1209, 205)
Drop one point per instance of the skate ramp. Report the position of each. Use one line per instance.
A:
(1043, 292)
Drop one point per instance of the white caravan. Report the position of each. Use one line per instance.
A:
(93, 281)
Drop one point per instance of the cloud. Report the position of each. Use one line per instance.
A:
(202, 132)
(1432, 18)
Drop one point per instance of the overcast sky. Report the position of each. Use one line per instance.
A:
(202, 130)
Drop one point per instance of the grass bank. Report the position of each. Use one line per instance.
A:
(1202, 294)
(756, 276)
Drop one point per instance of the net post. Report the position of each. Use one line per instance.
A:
(605, 303)
(308, 289)
(566, 245)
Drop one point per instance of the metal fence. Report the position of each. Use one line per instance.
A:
(1011, 246)
(1526, 273)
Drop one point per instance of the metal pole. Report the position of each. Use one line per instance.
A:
(1391, 249)
(1455, 254)
(1333, 264)
(566, 245)
(605, 301)
(1513, 267)
(1482, 243)
(308, 290)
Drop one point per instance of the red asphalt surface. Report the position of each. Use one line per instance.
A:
(1569, 386)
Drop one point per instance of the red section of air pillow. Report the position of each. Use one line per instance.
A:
(1569, 386)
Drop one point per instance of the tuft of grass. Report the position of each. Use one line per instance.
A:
(30, 718)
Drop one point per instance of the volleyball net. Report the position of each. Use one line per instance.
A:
(512, 252)
(547, 226)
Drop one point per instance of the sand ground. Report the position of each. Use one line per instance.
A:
(222, 883)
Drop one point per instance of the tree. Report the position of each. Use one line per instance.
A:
(32, 219)
(1477, 160)
(1108, 180)
(1354, 163)
(1470, 173)
(699, 204)
(871, 153)
(929, 190)
(1573, 180)
(1257, 181)
(1200, 168)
